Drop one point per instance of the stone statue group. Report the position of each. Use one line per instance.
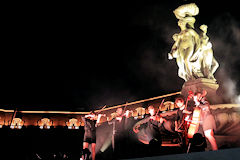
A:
(192, 50)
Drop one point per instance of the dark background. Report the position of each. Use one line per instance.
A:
(77, 56)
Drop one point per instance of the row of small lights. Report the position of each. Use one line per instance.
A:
(18, 124)
(48, 126)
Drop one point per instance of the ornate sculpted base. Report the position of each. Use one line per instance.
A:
(201, 84)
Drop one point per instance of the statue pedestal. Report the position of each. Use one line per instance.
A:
(201, 84)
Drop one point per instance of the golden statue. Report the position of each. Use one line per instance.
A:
(193, 52)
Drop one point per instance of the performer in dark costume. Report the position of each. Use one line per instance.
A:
(151, 133)
(182, 114)
(118, 124)
(90, 123)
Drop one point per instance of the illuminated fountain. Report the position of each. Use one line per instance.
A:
(194, 55)
(197, 65)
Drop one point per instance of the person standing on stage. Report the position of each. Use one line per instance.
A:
(118, 124)
(90, 123)
(207, 121)
(179, 119)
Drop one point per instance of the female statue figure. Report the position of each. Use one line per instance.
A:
(193, 53)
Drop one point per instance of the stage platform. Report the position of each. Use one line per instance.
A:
(225, 154)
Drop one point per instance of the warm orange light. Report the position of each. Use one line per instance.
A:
(45, 123)
(17, 123)
(73, 123)
(194, 123)
(1, 123)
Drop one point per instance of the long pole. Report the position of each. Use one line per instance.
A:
(14, 115)
(98, 111)
(160, 106)
(141, 101)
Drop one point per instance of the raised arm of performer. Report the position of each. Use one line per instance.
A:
(98, 117)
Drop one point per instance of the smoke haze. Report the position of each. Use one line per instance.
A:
(147, 62)
(224, 33)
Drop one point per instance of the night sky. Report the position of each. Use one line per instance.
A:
(80, 56)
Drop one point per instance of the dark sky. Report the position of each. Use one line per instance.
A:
(81, 56)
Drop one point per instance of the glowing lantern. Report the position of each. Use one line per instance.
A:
(1, 122)
(167, 106)
(17, 123)
(140, 112)
(73, 123)
(45, 123)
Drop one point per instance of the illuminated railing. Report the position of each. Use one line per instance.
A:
(136, 108)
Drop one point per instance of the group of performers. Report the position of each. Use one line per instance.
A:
(190, 120)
